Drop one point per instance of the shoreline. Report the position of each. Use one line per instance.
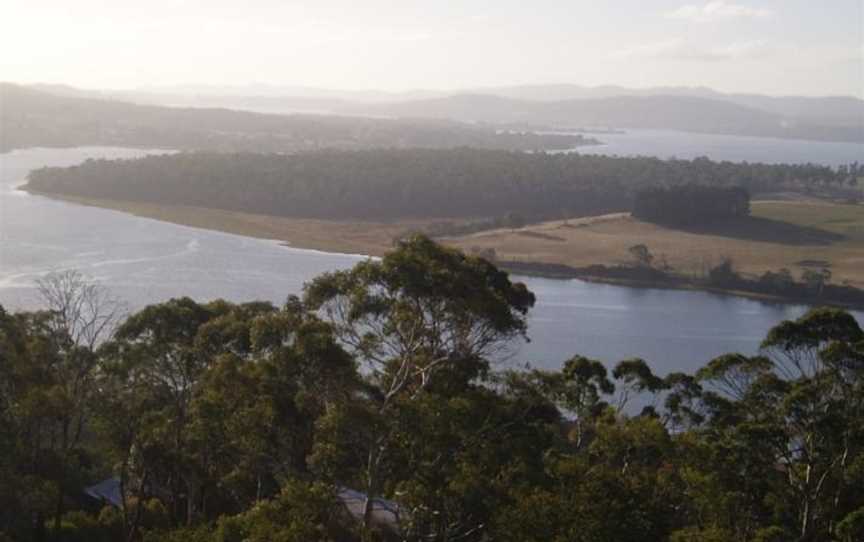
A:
(563, 272)
(585, 141)
(328, 236)
(374, 239)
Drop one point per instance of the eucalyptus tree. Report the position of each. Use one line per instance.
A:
(79, 314)
(152, 368)
(422, 317)
(795, 416)
(635, 378)
(213, 406)
(821, 356)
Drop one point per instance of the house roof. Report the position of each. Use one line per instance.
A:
(384, 512)
(107, 490)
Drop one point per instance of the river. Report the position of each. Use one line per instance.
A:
(144, 261)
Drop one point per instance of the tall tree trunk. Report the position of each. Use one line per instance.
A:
(136, 521)
(190, 502)
(806, 509)
(61, 476)
(39, 528)
(371, 489)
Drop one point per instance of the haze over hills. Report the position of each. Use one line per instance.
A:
(696, 109)
(685, 113)
(842, 110)
(32, 118)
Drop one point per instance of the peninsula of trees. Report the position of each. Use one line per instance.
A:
(387, 184)
(373, 408)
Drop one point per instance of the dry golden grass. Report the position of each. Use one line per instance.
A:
(782, 234)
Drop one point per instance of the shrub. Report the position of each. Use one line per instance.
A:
(80, 526)
(772, 534)
(723, 274)
(301, 512)
(692, 534)
(852, 526)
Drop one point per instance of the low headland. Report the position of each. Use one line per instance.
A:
(639, 221)
(597, 249)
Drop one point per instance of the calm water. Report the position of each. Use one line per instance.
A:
(145, 261)
(141, 260)
(668, 144)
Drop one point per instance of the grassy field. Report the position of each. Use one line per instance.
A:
(845, 220)
(793, 235)
(789, 234)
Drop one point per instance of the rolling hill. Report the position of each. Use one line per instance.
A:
(31, 118)
(829, 119)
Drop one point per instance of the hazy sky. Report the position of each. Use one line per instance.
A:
(772, 46)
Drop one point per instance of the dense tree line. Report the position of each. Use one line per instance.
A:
(387, 184)
(247, 422)
(30, 118)
(691, 204)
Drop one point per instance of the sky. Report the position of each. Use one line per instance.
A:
(781, 47)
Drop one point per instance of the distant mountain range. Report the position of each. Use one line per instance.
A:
(694, 109)
(66, 117)
(826, 119)
(831, 110)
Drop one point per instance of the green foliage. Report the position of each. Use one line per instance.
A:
(246, 422)
(635, 377)
(773, 534)
(197, 533)
(78, 526)
(641, 255)
(694, 534)
(300, 512)
(852, 526)
(780, 282)
(432, 308)
(816, 280)
(691, 204)
(616, 489)
(423, 320)
(723, 274)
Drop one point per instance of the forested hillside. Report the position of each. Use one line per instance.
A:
(374, 409)
(30, 118)
(389, 184)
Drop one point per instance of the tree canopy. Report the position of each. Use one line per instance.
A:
(691, 204)
(421, 183)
